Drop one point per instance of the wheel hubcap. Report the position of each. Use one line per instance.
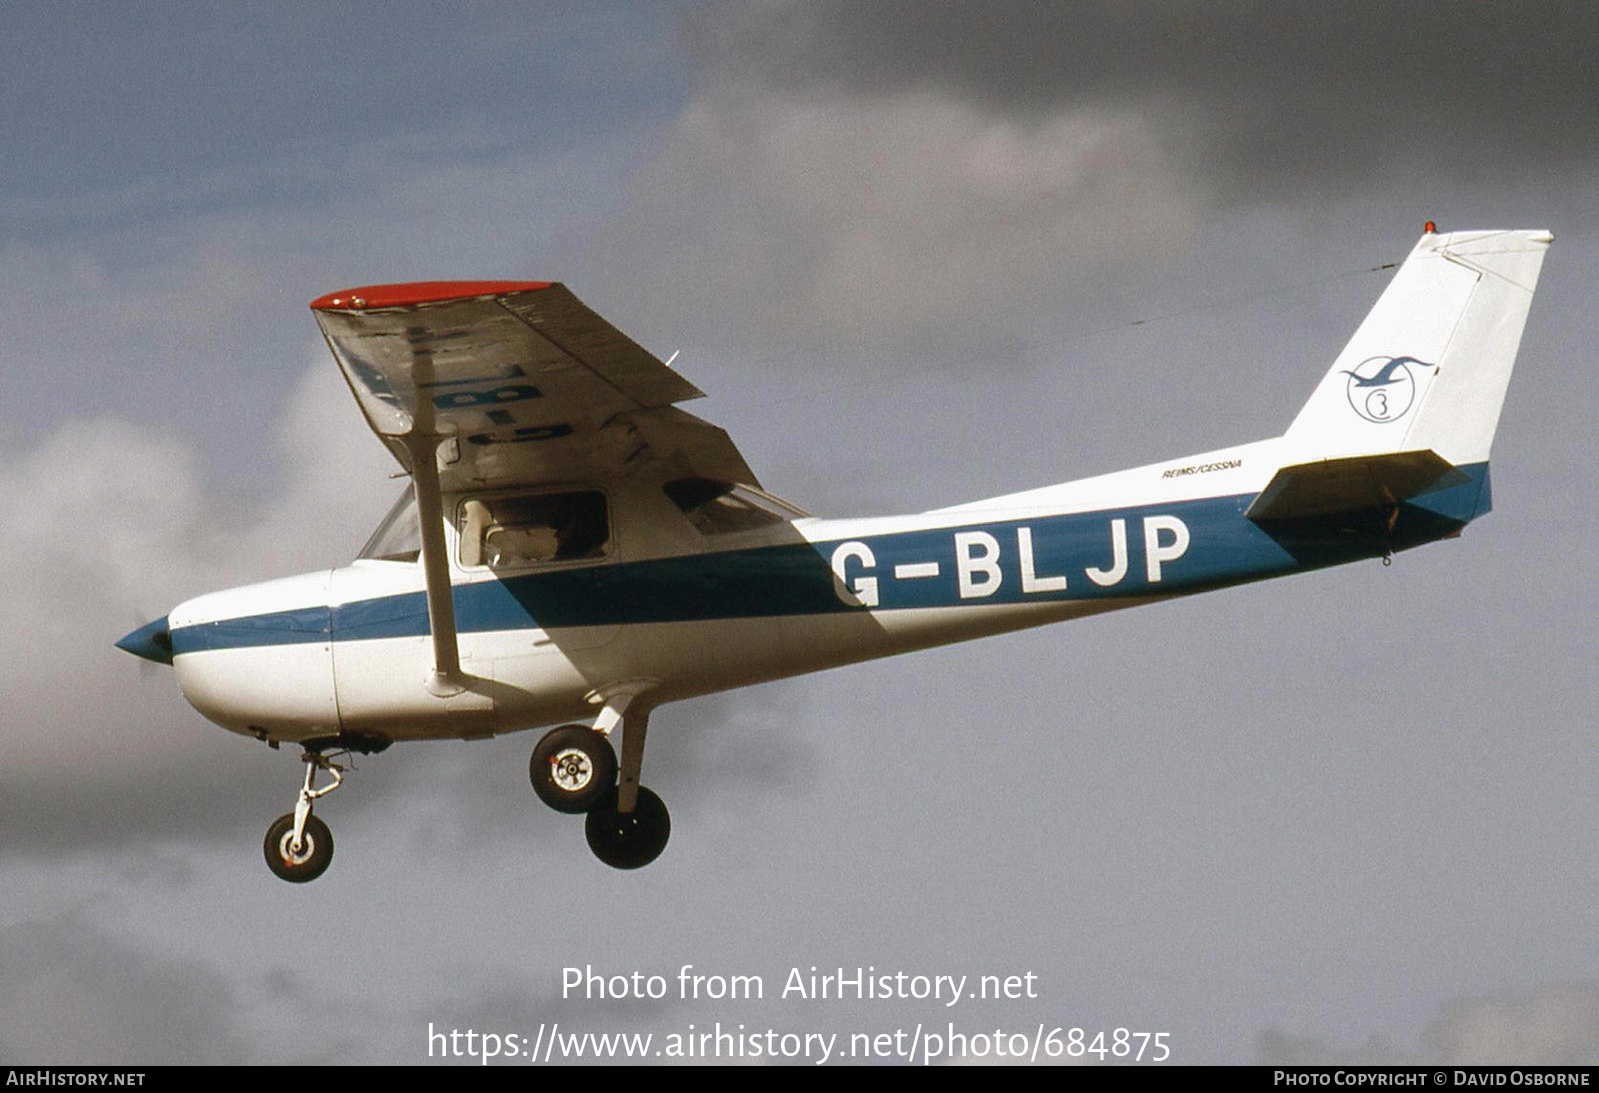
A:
(571, 770)
(287, 852)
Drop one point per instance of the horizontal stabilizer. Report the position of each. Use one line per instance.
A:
(1333, 486)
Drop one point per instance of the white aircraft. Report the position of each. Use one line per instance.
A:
(575, 549)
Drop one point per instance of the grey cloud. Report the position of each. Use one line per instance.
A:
(727, 749)
(872, 177)
(217, 790)
(70, 994)
(1275, 1047)
(128, 813)
(1273, 98)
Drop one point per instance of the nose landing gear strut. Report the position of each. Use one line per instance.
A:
(298, 846)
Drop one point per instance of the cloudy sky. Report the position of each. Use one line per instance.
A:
(916, 254)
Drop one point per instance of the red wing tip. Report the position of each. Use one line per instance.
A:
(419, 292)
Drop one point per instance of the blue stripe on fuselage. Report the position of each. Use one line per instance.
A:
(798, 578)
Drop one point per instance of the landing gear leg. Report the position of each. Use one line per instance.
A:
(629, 828)
(638, 726)
(298, 846)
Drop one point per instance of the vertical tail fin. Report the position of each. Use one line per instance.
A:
(1428, 368)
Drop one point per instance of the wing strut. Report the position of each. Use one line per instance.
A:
(424, 452)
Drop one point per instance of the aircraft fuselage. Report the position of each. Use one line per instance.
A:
(348, 650)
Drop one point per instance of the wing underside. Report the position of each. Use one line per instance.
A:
(524, 382)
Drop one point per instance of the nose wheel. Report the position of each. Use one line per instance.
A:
(300, 862)
(298, 846)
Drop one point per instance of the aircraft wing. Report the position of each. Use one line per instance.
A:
(523, 382)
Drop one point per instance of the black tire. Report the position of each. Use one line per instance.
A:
(315, 854)
(631, 840)
(572, 768)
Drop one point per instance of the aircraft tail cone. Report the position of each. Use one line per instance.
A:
(152, 641)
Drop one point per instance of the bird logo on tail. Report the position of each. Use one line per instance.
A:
(1382, 389)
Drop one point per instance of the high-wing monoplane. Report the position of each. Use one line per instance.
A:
(574, 549)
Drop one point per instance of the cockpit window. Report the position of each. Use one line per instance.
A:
(533, 529)
(399, 537)
(717, 508)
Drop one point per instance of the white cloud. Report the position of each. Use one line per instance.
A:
(1554, 1026)
(115, 523)
(912, 215)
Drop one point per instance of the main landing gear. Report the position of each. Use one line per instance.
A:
(298, 846)
(574, 769)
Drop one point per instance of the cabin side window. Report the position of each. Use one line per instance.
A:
(399, 537)
(533, 529)
(719, 508)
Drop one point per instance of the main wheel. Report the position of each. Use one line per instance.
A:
(316, 849)
(572, 768)
(628, 840)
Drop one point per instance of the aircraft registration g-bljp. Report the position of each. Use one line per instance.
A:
(575, 550)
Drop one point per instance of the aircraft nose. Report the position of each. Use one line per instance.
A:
(152, 641)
